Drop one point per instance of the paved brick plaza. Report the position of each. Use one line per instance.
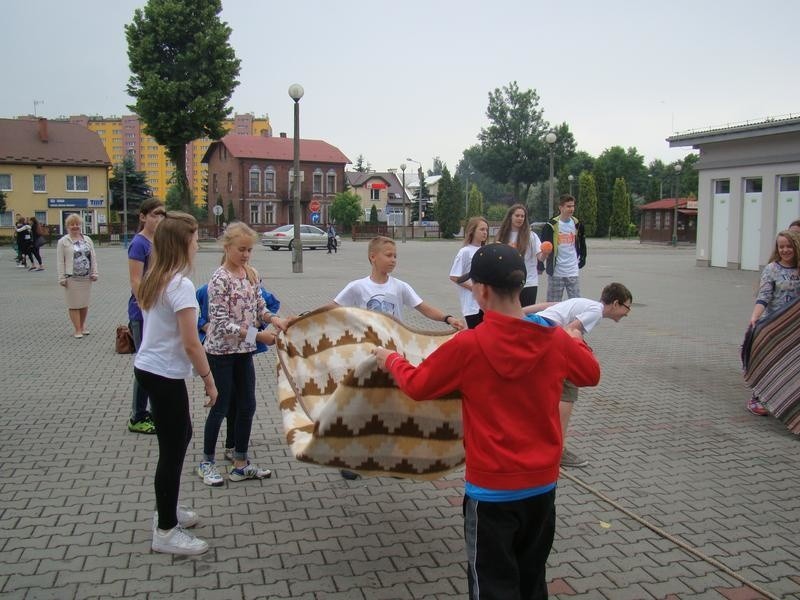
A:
(666, 431)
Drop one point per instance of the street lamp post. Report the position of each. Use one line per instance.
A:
(421, 179)
(676, 189)
(466, 198)
(125, 198)
(295, 93)
(403, 169)
(571, 178)
(551, 138)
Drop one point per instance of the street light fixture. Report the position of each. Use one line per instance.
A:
(403, 169)
(551, 138)
(295, 93)
(676, 189)
(421, 180)
(571, 178)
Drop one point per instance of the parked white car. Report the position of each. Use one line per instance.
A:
(283, 237)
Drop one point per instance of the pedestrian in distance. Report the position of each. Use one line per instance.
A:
(38, 231)
(515, 230)
(24, 239)
(579, 316)
(383, 293)
(475, 235)
(566, 235)
(77, 270)
(332, 245)
(779, 286)
(151, 213)
(509, 371)
(236, 308)
(169, 354)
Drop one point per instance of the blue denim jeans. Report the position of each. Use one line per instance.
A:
(139, 403)
(235, 378)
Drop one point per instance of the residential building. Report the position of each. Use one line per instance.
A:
(254, 175)
(432, 185)
(748, 189)
(657, 219)
(50, 169)
(382, 190)
(126, 134)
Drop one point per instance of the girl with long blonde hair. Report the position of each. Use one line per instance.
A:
(235, 310)
(171, 352)
(475, 235)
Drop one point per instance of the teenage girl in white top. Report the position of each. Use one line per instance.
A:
(515, 230)
(475, 236)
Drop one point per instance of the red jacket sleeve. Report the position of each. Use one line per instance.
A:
(583, 368)
(435, 376)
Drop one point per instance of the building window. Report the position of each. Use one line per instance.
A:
(722, 186)
(269, 214)
(41, 216)
(317, 182)
(667, 220)
(374, 194)
(77, 183)
(269, 180)
(255, 182)
(230, 182)
(39, 182)
(790, 183)
(752, 186)
(5, 182)
(658, 219)
(255, 214)
(330, 185)
(7, 219)
(215, 183)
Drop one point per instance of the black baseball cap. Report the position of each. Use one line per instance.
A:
(497, 265)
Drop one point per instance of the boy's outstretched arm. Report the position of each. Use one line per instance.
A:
(434, 314)
(538, 307)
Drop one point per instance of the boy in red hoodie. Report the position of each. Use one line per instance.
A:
(510, 371)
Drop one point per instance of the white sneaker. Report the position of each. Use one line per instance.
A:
(177, 541)
(186, 517)
(249, 471)
(209, 474)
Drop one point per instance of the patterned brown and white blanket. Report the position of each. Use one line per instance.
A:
(339, 410)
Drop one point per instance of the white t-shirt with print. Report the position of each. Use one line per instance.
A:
(588, 312)
(462, 264)
(567, 257)
(534, 247)
(162, 352)
(389, 298)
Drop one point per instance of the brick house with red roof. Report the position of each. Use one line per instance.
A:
(252, 173)
(657, 220)
(50, 169)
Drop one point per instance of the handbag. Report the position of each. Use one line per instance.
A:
(124, 341)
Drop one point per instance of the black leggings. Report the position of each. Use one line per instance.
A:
(528, 295)
(34, 252)
(169, 402)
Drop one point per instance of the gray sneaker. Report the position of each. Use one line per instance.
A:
(570, 459)
(209, 474)
(177, 541)
(249, 471)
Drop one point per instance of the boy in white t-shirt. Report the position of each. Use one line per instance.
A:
(581, 315)
(383, 293)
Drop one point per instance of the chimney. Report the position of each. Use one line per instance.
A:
(283, 134)
(43, 129)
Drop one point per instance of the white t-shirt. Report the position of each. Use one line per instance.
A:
(567, 257)
(390, 297)
(161, 352)
(588, 312)
(462, 264)
(534, 247)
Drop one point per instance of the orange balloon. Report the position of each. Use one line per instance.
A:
(547, 247)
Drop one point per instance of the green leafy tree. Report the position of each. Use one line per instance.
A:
(620, 210)
(475, 204)
(231, 212)
(183, 72)
(136, 188)
(616, 162)
(603, 201)
(174, 200)
(587, 203)
(346, 209)
(438, 167)
(2, 201)
(489, 188)
(496, 212)
(449, 205)
(373, 215)
(362, 165)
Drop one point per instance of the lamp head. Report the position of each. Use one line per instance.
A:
(403, 167)
(571, 177)
(678, 168)
(550, 138)
(296, 92)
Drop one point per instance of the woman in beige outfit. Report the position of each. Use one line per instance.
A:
(77, 269)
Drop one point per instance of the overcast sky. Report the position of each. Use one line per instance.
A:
(392, 80)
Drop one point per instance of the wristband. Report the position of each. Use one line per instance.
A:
(206, 375)
(447, 317)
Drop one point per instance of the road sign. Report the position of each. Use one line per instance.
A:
(315, 217)
(314, 206)
(217, 210)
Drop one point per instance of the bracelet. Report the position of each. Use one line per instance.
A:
(206, 375)
(447, 317)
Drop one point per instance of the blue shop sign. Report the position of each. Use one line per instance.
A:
(67, 202)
